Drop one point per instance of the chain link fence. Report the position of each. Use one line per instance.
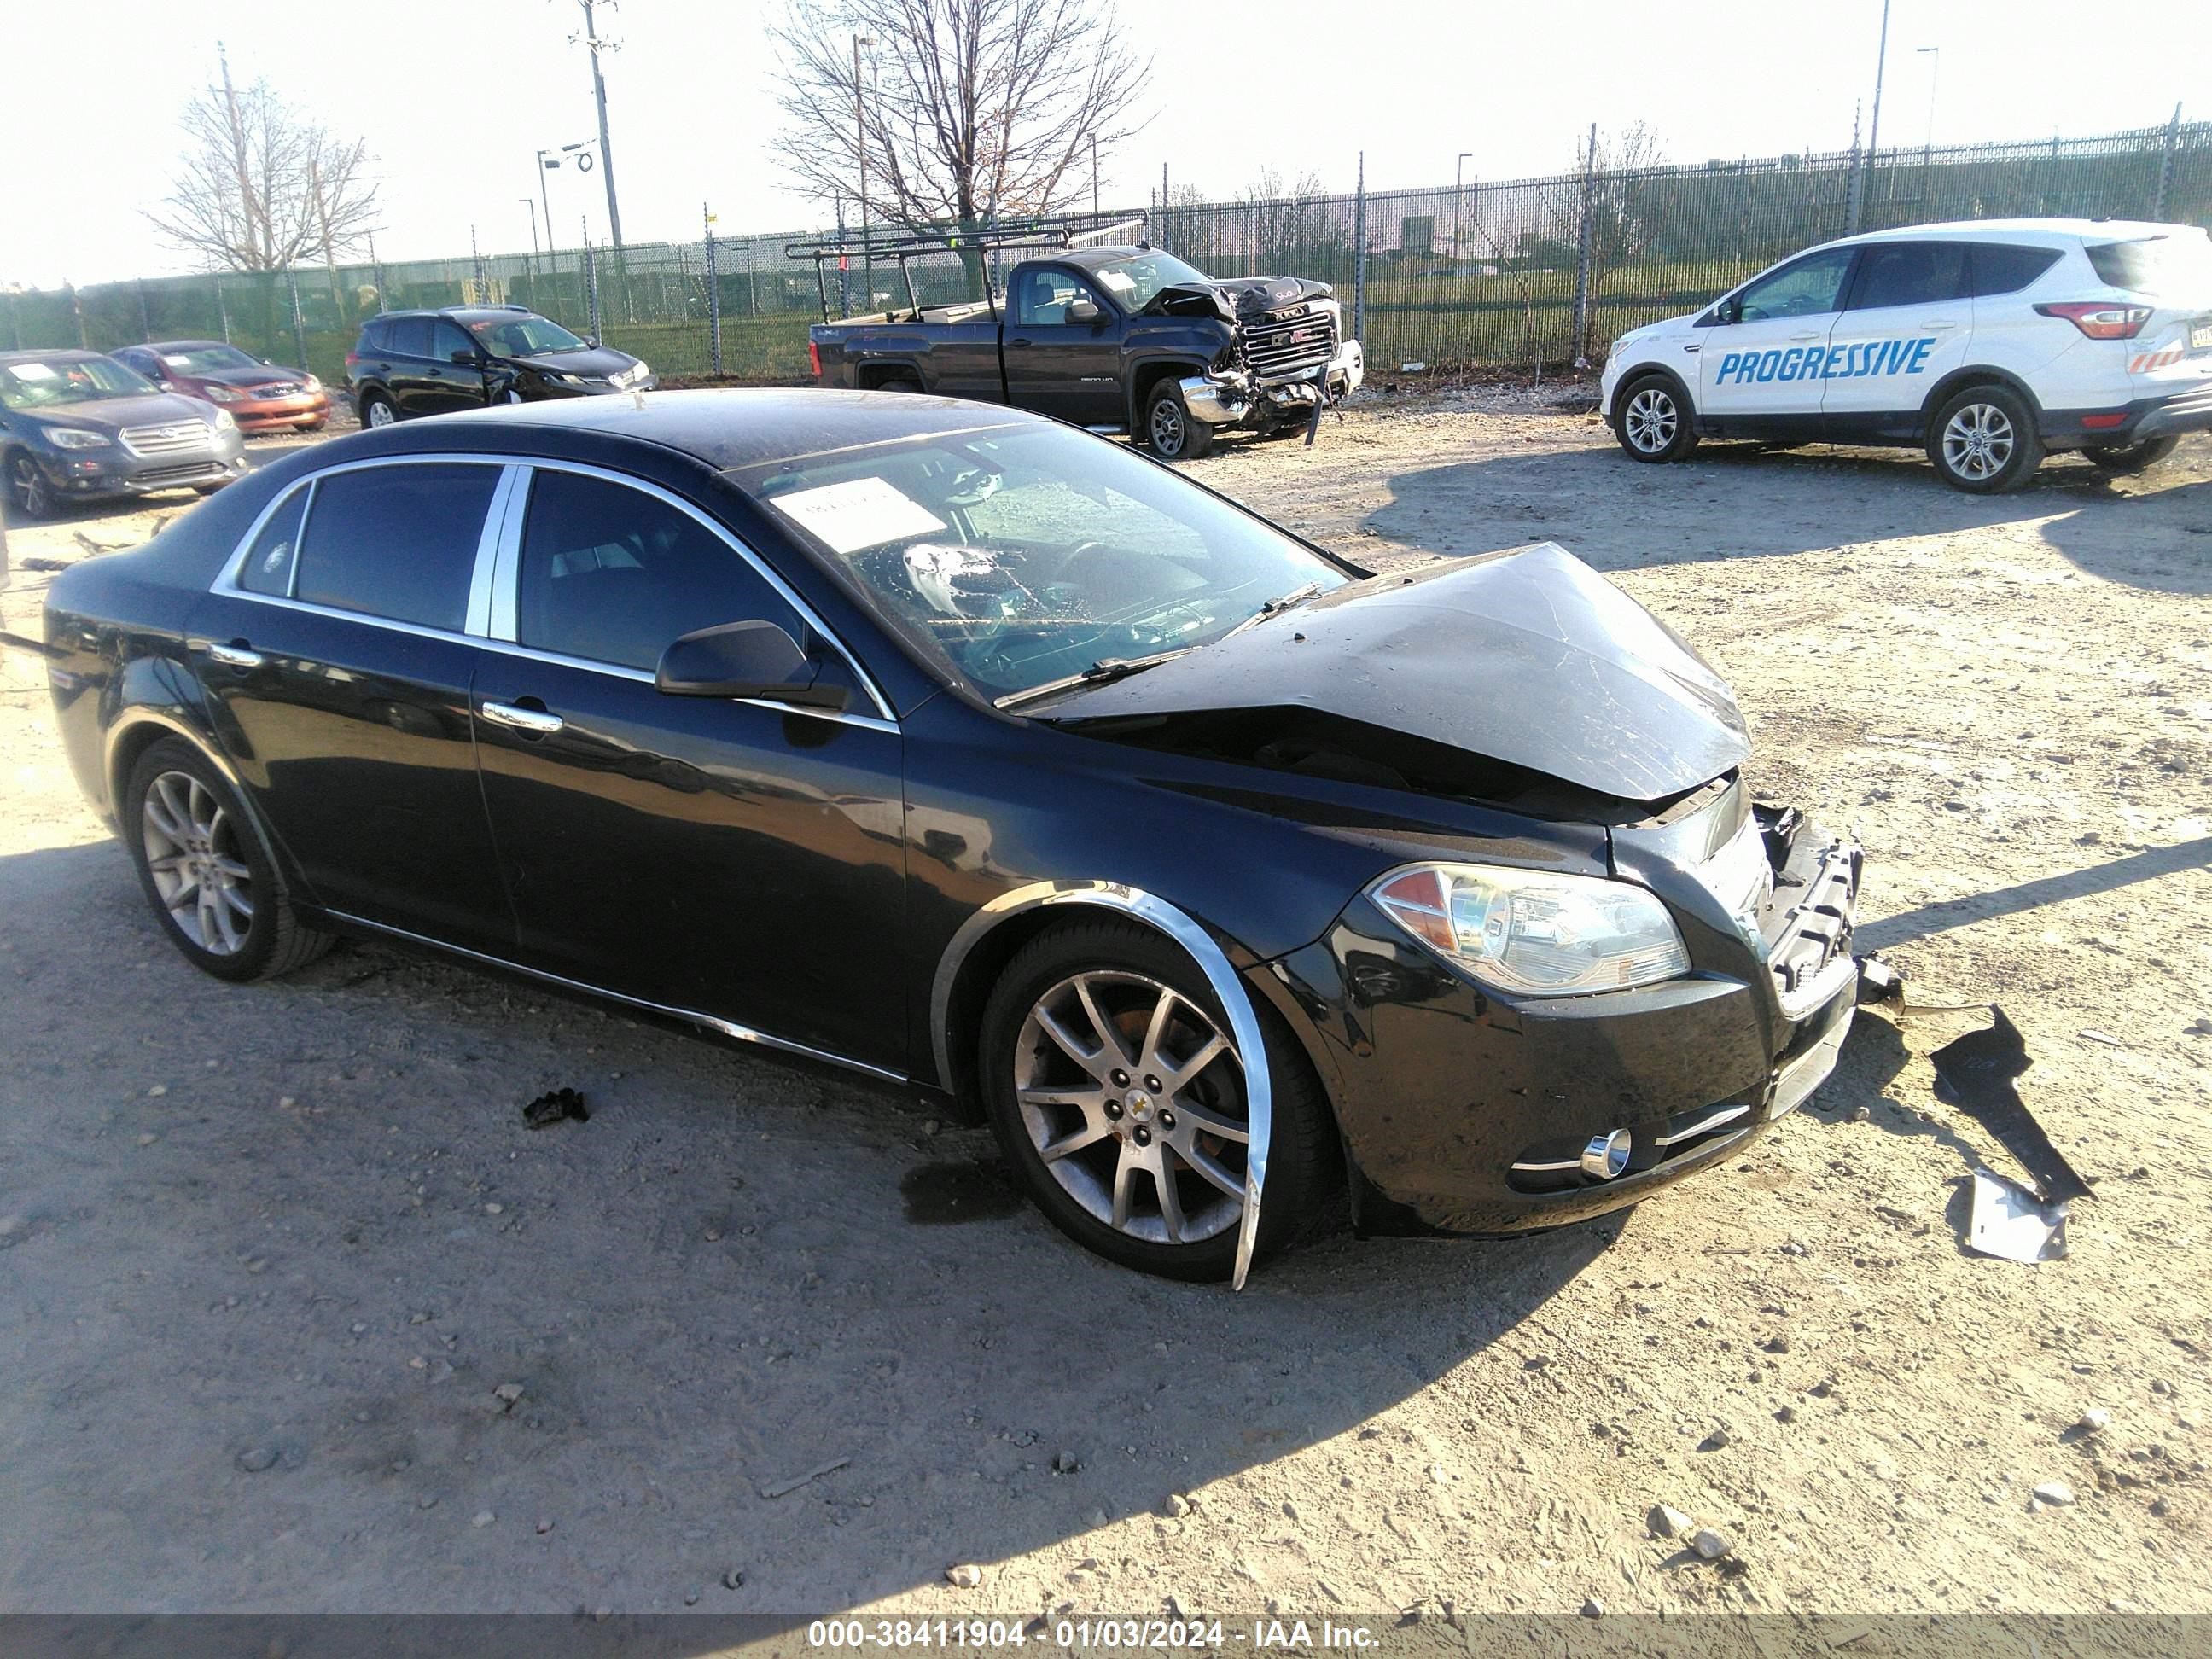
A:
(1531, 273)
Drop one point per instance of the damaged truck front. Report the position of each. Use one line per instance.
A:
(1115, 339)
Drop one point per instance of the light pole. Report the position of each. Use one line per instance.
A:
(533, 206)
(1094, 175)
(1935, 57)
(1457, 196)
(1874, 129)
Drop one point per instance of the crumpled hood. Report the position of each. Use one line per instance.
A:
(1527, 657)
(601, 362)
(1239, 297)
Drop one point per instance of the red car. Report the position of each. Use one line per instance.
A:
(260, 397)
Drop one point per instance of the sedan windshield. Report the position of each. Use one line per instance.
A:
(523, 336)
(207, 359)
(1136, 282)
(1020, 555)
(30, 383)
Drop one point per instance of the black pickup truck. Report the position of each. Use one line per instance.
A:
(1116, 340)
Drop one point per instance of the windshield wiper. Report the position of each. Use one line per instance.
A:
(1104, 671)
(1296, 596)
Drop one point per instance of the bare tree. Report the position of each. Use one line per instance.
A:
(1189, 227)
(1629, 204)
(977, 109)
(262, 186)
(1294, 227)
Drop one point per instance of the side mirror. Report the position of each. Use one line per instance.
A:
(1082, 310)
(745, 659)
(165, 386)
(468, 357)
(1729, 311)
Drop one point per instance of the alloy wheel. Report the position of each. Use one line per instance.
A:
(28, 486)
(1651, 420)
(191, 849)
(1133, 1099)
(1978, 441)
(379, 412)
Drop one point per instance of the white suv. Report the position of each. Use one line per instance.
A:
(1989, 343)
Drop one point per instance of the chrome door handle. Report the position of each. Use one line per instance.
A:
(1936, 328)
(234, 655)
(536, 721)
(1816, 335)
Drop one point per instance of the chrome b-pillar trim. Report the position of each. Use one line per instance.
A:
(1212, 962)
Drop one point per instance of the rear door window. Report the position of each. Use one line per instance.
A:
(268, 562)
(1910, 274)
(397, 541)
(611, 574)
(2003, 268)
(411, 336)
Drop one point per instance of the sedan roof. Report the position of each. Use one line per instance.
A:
(740, 427)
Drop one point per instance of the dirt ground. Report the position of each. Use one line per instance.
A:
(266, 1254)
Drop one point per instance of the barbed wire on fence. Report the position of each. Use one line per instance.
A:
(1485, 274)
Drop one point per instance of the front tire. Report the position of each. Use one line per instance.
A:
(27, 489)
(1172, 431)
(1983, 440)
(205, 872)
(376, 410)
(2125, 460)
(1116, 1092)
(1655, 422)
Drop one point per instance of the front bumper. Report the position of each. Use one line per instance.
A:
(281, 414)
(1467, 1110)
(548, 389)
(103, 474)
(1236, 399)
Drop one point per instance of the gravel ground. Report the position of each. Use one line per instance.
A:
(270, 1258)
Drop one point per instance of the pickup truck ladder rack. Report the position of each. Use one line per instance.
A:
(900, 244)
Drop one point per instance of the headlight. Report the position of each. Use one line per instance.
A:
(642, 371)
(76, 437)
(223, 421)
(314, 384)
(1535, 932)
(223, 394)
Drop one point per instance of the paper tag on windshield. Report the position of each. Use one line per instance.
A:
(32, 372)
(857, 514)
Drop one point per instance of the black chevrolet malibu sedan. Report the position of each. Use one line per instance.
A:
(968, 751)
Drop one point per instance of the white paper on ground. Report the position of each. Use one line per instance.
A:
(857, 514)
(2007, 1221)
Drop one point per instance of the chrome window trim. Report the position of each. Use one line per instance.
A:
(712, 1022)
(1212, 962)
(494, 578)
(476, 619)
(503, 621)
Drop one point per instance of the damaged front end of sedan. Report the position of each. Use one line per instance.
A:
(1523, 1030)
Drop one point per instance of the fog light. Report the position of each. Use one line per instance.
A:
(1606, 1155)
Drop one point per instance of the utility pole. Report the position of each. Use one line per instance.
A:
(1457, 196)
(1874, 130)
(1094, 175)
(1164, 241)
(596, 45)
(861, 149)
(533, 206)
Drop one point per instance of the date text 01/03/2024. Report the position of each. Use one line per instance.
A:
(1138, 1634)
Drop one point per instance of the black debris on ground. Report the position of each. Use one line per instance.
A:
(550, 1108)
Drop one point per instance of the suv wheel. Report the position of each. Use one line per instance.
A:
(1983, 440)
(1173, 433)
(2122, 459)
(376, 410)
(1655, 423)
(1116, 1092)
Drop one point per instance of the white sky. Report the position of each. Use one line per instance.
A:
(454, 97)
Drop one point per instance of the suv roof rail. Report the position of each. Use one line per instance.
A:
(444, 311)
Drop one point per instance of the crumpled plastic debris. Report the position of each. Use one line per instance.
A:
(550, 1108)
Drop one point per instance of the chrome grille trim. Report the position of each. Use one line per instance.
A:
(1293, 341)
(175, 438)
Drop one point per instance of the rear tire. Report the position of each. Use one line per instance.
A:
(899, 383)
(2125, 460)
(376, 410)
(1655, 422)
(1038, 1094)
(1983, 440)
(205, 872)
(1172, 431)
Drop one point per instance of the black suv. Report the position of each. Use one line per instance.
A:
(427, 363)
